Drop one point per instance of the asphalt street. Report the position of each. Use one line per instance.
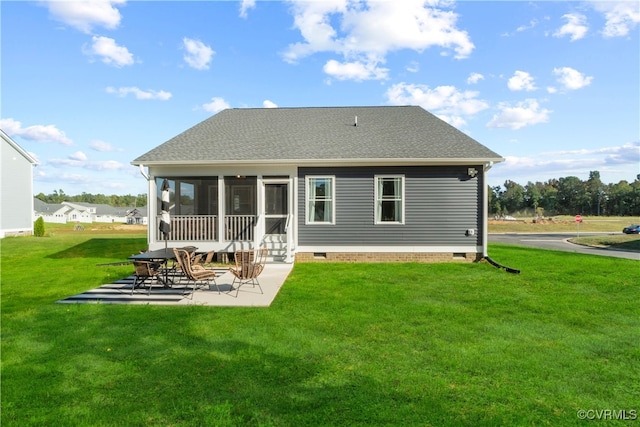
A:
(559, 242)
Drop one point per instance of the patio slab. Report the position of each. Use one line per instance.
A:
(271, 280)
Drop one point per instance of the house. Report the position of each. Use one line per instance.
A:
(328, 183)
(82, 212)
(16, 189)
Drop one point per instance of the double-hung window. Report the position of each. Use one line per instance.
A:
(389, 194)
(320, 200)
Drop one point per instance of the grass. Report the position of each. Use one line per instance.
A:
(564, 224)
(342, 344)
(627, 242)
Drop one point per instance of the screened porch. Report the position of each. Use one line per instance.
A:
(224, 209)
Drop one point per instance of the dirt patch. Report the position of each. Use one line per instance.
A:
(130, 227)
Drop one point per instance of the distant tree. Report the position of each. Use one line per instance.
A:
(513, 196)
(532, 195)
(572, 197)
(595, 193)
(621, 199)
(495, 200)
(38, 227)
(59, 196)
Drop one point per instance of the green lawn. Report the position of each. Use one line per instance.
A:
(343, 344)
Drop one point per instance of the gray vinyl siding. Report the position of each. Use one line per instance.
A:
(441, 204)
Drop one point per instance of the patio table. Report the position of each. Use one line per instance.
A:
(161, 256)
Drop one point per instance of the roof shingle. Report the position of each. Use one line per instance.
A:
(319, 134)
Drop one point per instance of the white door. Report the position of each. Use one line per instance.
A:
(276, 207)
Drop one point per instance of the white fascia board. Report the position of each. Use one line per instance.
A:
(330, 162)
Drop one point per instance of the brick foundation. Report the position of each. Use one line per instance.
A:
(387, 257)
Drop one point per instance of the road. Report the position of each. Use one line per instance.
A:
(558, 242)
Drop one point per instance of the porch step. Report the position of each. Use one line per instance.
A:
(277, 246)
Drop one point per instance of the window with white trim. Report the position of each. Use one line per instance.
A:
(389, 194)
(320, 199)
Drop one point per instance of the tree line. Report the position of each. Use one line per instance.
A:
(567, 196)
(58, 196)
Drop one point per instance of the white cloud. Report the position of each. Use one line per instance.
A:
(621, 16)
(413, 67)
(521, 80)
(38, 133)
(102, 146)
(474, 78)
(79, 160)
(245, 6)
(575, 27)
(109, 52)
(622, 154)
(216, 105)
(139, 93)
(627, 153)
(525, 113)
(84, 15)
(532, 24)
(78, 155)
(269, 104)
(198, 54)
(571, 79)
(357, 70)
(372, 29)
(542, 166)
(447, 102)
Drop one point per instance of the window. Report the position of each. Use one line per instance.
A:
(389, 193)
(320, 199)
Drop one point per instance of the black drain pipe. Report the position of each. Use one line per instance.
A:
(505, 268)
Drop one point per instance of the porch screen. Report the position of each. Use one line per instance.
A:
(320, 200)
(191, 196)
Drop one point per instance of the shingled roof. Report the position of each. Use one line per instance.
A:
(320, 134)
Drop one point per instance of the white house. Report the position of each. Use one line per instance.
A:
(16, 189)
(87, 213)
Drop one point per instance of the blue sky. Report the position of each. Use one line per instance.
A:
(553, 87)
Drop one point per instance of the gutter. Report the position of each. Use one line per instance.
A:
(327, 162)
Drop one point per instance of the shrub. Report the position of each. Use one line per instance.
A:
(38, 227)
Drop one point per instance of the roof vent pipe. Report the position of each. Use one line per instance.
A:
(356, 122)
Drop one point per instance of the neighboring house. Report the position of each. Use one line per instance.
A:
(49, 212)
(333, 183)
(16, 189)
(137, 216)
(88, 213)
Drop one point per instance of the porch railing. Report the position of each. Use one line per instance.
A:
(191, 228)
(239, 228)
(197, 228)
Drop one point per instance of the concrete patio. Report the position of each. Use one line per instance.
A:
(119, 292)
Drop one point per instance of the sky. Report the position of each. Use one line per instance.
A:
(88, 86)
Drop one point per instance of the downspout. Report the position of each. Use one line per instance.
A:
(485, 233)
(485, 209)
(150, 202)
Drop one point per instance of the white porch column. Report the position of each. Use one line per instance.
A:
(152, 208)
(221, 208)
